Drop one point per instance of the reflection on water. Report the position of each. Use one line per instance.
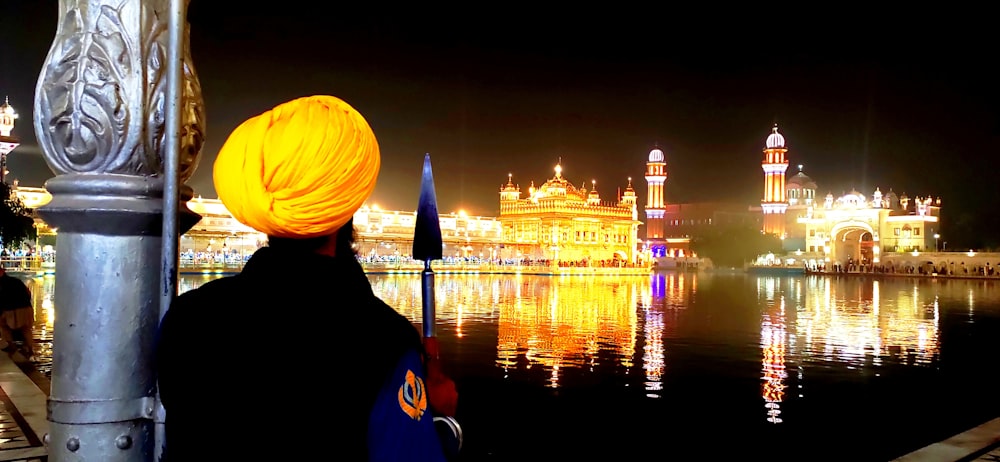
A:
(772, 342)
(578, 322)
(542, 322)
(857, 323)
(653, 352)
(700, 336)
(42, 290)
(845, 323)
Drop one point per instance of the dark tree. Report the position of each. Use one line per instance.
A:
(733, 245)
(16, 222)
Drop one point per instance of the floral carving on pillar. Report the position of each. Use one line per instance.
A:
(100, 100)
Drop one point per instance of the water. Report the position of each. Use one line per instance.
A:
(696, 366)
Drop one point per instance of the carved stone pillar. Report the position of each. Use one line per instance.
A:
(99, 118)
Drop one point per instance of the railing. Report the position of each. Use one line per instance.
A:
(26, 264)
(38, 265)
(211, 266)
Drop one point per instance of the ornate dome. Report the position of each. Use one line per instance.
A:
(853, 199)
(775, 140)
(800, 181)
(656, 155)
(557, 186)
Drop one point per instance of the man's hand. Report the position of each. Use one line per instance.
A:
(441, 391)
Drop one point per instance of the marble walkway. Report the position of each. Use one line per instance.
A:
(22, 413)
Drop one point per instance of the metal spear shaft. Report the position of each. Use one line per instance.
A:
(427, 286)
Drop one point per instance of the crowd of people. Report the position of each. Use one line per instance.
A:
(927, 268)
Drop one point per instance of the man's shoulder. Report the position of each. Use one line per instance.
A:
(210, 294)
(211, 288)
(8, 279)
(389, 316)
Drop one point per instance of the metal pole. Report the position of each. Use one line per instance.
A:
(101, 126)
(429, 315)
(171, 186)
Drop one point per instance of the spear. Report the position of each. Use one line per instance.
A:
(427, 246)
(427, 243)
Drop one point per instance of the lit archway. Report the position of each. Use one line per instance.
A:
(852, 241)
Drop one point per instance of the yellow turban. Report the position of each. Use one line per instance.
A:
(299, 170)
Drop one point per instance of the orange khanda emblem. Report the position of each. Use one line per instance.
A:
(412, 396)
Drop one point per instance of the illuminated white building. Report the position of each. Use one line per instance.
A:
(852, 228)
(855, 227)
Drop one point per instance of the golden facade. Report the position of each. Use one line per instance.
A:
(381, 233)
(558, 222)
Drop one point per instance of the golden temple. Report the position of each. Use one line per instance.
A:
(573, 226)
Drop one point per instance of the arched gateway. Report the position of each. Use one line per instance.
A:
(853, 242)
(857, 229)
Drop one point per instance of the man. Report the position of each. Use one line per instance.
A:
(295, 358)
(16, 313)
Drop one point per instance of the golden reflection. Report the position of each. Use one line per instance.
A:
(772, 293)
(661, 301)
(772, 342)
(42, 290)
(653, 351)
(857, 319)
(549, 322)
(675, 291)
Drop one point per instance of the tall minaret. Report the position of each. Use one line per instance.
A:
(774, 165)
(7, 141)
(656, 174)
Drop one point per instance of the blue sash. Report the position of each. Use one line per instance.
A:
(401, 426)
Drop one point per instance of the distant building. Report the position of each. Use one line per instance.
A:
(856, 228)
(853, 227)
(695, 219)
(558, 221)
(380, 233)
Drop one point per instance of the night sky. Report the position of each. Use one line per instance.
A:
(863, 99)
